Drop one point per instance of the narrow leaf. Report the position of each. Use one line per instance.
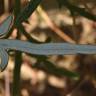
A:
(78, 10)
(52, 69)
(28, 10)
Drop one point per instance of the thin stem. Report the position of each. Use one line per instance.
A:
(18, 56)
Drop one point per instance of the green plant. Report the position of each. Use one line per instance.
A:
(21, 16)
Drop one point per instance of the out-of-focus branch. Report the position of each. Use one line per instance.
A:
(85, 5)
(53, 26)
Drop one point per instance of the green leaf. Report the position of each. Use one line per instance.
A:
(28, 10)
(78, 10)
(52, 69)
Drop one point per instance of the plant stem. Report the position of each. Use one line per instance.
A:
(18, 56)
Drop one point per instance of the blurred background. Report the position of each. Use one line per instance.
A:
(56, 23)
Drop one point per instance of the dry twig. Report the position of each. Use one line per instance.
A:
(53, 26)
